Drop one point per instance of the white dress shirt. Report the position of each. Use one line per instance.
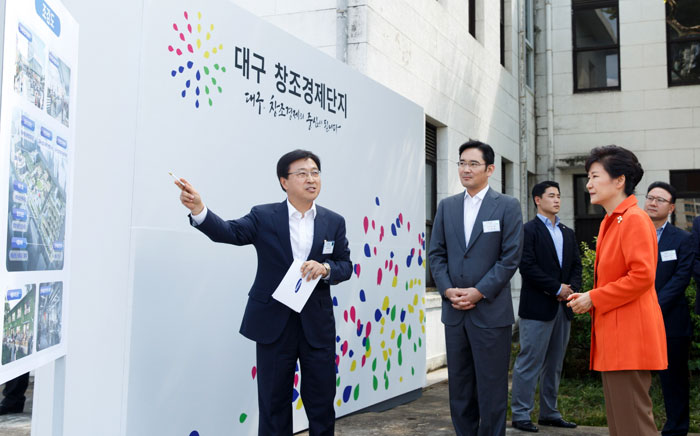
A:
(301, 229)
(471, 210)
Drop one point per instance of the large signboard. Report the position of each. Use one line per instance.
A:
(223, 95)
(37, 139)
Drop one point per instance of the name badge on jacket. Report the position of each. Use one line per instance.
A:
(328, 247)
(668, 255)
(492, 226)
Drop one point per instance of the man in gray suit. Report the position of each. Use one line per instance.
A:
(475, 249)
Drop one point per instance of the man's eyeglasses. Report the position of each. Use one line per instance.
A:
(315, 174)
(471, 164)
(658, 200)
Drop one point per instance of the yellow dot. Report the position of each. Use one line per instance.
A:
(386, 356)
(299, 404)
(206, 54)
(401, 379)
(383, 344)
(393, 334)
(221, 46)
(199, 15)
(420, 316)
(369, 352)
(381, 321)
(199, 43)
(208, 36)
(393, 282)
(211, 27)
(419, 282)
(410, 284)
(389, 351)
(385, 304)
(381, 331)
(415, 300)
(353, 365)
(403, 328)
(338, 403)
(199, 28)
(410, 308)
(423, 327)
(214, 50)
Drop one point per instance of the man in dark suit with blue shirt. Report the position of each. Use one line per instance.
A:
(295, 229)
(551, 271)
(673, 272)
(696, 264)
(475, 249)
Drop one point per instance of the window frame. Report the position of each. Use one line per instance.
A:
(583, 5)
(669, 43)
(530, 44)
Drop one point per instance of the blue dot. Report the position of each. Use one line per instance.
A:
(194, 433)
(359, 330)
(337, 338)
(183, 93)
(198, 76)
(391, 254)
(393, 229)
(187, 84)
(295, 394)
(377, 315)
(346, 393)
(335, 301)
(173, 73)
(376, 200)
(196, 91)
(189, 64)
(403, 314)
(296, 368)
(362, 295)
(398, 223)
(364, 341)
(368, 252)
(387, 310)
(181, 68)
(196, 103)
(420, 260)
(351, 353)
(409, 258)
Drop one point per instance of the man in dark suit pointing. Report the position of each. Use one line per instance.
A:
(295, 229)
(551, 271)
(475, 249)
(673, 271)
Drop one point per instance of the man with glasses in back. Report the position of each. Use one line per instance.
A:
(295, 229)
(673, 270)
(475, 249)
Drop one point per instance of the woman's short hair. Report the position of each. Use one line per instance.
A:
(618, 161)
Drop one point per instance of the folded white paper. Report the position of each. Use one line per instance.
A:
(294, 290)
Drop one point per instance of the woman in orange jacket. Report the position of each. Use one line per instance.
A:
(627, 329)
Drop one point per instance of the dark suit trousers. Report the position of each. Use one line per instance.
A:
(276, 364)
(675, 385)
(477, 369)
(14, 391)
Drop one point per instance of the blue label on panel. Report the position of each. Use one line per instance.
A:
(53, 59)
(19, 242)
(46, 133)
(61, 142)
(45, 290)
(14, 294)
(49, 16)
(58, 246)
(19, 214)
(24, 31)
(19, 187)
(28, 122)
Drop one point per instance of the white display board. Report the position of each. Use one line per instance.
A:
(37, 139)
(223, 95)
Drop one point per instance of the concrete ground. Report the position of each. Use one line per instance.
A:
(428, 415)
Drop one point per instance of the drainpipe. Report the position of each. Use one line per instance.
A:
(550, 98)
(522, 106)
(341, 32)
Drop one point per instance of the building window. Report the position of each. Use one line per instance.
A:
(503, 33)
(687, 184)
(587, 216)
(530, 44)
(472, 18)
(430, 190)
(683, 41)
(596, 50)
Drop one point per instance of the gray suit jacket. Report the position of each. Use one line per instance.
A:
(488, 263)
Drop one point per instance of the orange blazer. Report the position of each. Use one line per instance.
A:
(627, 329)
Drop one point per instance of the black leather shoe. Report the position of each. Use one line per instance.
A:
(525, 426)
(5, 410)
(557, 423)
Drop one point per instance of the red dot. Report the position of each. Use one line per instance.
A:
(179, 52)
(170, 48)
(175, 26)
(189, 28)
(186, 16)
(379, 276)
(254, 371)
(189, 48)
(182, 36)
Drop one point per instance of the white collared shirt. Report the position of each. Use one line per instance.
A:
(471, 210)
(301, 229)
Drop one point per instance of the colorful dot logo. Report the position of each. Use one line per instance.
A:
(196, 65)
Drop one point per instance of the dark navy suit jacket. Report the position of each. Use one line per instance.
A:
(541, 273)
(696, 268)
(266, 227)
(672, 278)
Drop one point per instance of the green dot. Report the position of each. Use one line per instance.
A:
(409, 332)
(219, 88)
(337, 382)
(393, 313)
(223, 69)
(367, 344)
(420, 342)
(210, 102)
(356, 394)
(388, 364)
(400, 358)
(407, 286)
(375, 382)
(413, 371)
(213, 80)
(206, 90)
(216, 66)
(206, 70)
(374, 364)
(398, 341)
(242, 418)
(414, 347)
